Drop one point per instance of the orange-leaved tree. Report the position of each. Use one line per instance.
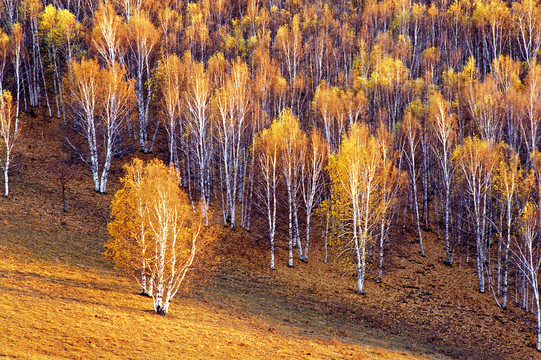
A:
(528, 257)
(8, 135)
(101, 101)
(512, 185)
(291, 153)
(358, 174)
(155, 235)
(476, 162)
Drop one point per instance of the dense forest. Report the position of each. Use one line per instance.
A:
(359, 117)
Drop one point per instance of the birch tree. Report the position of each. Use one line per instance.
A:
(58, 29)
(292, 150)
(390, 87)
(411, 137)
(197, 101)
(356, 180)
(9, 131)
(129, 230)
(443, 128)
(528, 258)
(4, 57)
(312, 178)
(329, 103)
(231, 104)
(484, 103)
(510, 179)
(29, 11)
(476, 161)
(170, 75)
(266, 147)
(161, 211)
(109, 35)
(17, 38)
(526, 17)
(85, 101)
(143, 41)
(393, 183)
(101, 101)
(289, 44)
(117, 105)
(531, 122)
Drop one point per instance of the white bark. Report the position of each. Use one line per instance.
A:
(6, 179)
(410, 147)
(311, 182)
(528, 257)
(233, 103)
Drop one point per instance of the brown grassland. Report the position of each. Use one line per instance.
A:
(59, 297)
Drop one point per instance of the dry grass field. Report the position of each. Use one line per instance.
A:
(59, 297)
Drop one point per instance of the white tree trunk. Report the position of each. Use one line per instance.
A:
(106, 165)
(6, 179)
(448, 259)
(159, 298)
(290, 225)
(506, 257)
(417, 216)
(94, 166)
(307, 241)
(538, 314)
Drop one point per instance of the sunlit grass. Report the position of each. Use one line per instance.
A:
(55, 310)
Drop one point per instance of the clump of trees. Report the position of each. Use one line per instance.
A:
(155, 235)
(363, 177)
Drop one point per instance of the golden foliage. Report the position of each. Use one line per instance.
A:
(154, 231)
(360, 174)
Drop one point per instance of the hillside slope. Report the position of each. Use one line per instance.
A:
(61, 298)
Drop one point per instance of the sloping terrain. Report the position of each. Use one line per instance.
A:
(61, 298)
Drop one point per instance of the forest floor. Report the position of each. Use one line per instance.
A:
(60, 298)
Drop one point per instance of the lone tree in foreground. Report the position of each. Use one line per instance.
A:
(155, 235)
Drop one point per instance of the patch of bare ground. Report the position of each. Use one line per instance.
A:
(61, 299)
(420, 305)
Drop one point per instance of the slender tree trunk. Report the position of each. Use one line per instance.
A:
(538, 316)
(18, 81)
(381, 243)
(234, 187)
(448, 259)
(506, 257)
(6, 178)
(479, 253)
(56, 81)
(290, 224)
(249, 200)
(44, 85)
(424, 178)
(296, 233)
(362, 267)
(64, 208)
(150, 286)
(417, 216)
(326, 235)
(94, 161)
(272, 225)
(307, 242)
(143, 122)
(358, 255)
(499, 255)
(106, 165)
